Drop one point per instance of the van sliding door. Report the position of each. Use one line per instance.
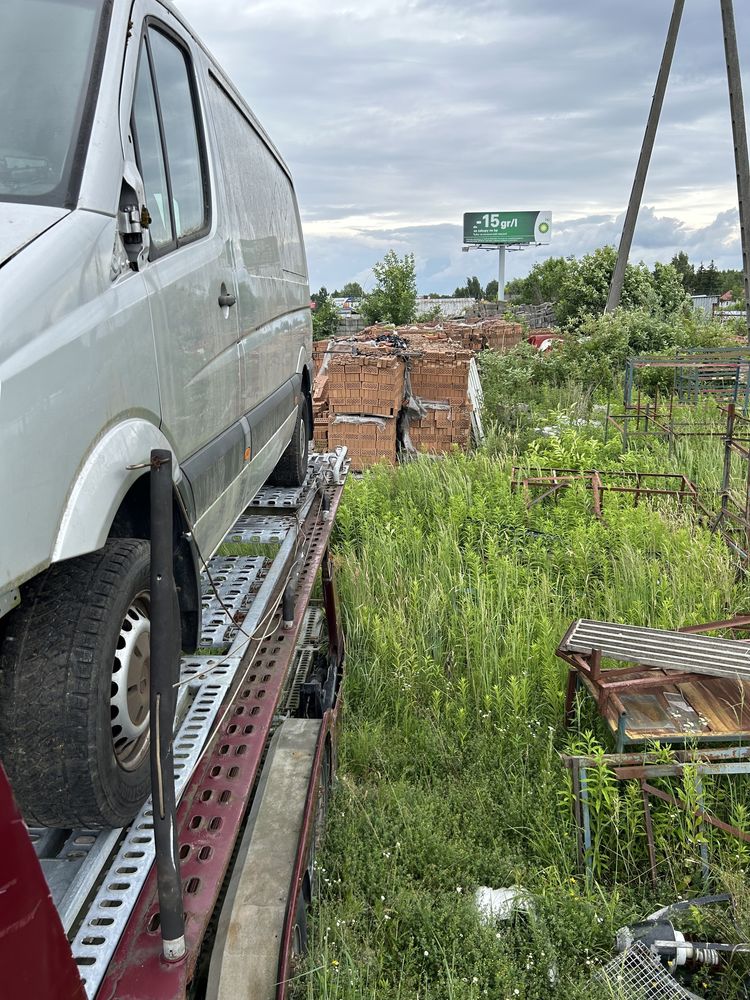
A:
(190, 274)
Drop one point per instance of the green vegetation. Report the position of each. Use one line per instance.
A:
(709, 280)
(579, 288)
(394, 298)
(325, 317)
(450, 776)
(473, 290)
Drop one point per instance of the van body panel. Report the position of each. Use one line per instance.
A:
(269, 257)
(76, 358)
(20, 224)
(238, 495)
(100, 363)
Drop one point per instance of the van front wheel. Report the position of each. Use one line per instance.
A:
(292, 466)
(74, 690)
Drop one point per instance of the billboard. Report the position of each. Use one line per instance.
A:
(502, 228)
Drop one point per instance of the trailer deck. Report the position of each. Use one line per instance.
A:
(261, 640)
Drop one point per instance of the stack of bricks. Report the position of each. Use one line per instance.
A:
(368, 383)
(497, 334)
(440, 428)
(439, 378)
(320, 396)
(365, 391)
(320, 414)
(501, 335)
(369, 439)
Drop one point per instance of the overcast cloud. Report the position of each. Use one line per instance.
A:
(396, 116)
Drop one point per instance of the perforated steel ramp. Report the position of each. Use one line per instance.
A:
(96, 877)
(227, 596)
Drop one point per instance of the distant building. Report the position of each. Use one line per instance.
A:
(449, 308)
(726, 297)
(705, 303)
(346, 306)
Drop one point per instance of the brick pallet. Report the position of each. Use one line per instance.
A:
(368, 439)
(371, 384)
(442, 427)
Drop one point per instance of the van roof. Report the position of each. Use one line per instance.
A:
(175, 12)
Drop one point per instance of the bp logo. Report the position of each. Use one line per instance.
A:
(544, 227)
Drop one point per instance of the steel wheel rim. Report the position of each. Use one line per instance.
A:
(130, 686)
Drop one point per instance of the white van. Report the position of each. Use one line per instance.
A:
(153, 294)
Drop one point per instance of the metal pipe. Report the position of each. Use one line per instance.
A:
(631, 216)
(165, 656)
(739, 134)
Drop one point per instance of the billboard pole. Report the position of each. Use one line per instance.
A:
(739, 133)
(501, 275)
(631, 217)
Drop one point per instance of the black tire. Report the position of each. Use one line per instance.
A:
(291, 468)
(57, 684)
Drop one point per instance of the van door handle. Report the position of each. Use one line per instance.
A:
(226, 299)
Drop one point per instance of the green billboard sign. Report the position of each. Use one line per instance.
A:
(503, 228)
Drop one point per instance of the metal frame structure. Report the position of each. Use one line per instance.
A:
(116, 927)
(644, 484)
(676, 685)
(739, 135)
(646, 768)
(734, 513)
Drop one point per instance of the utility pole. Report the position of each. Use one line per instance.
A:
(739, 134)
(631, 217)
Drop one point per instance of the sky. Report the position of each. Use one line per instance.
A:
(397, 116)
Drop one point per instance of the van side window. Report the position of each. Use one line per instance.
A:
(151, 155)
(168, 143)
(261, 195)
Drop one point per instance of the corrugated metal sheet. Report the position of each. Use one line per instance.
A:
(705, 303)
(449, 308)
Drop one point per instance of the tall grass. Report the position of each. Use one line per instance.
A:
(455, 598)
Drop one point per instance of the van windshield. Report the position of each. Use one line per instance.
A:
(47, 50)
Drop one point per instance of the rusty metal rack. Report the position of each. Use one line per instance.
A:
(547, 482)
(733, 517)
(721, 373)
(655, 417)
(679, 685)
(647, 768)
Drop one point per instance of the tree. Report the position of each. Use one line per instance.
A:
(681, 264)
(669, 287)
(325, 317)
(542, 284)
(490, 292)
(352, 290)
(394, 297)
(471, 290)
(586, 287)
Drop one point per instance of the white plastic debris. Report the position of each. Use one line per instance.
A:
(501, 904)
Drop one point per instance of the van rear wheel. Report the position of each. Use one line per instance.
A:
(291, 468)
(74, 690)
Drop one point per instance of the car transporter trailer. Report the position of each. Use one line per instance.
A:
(205, 894)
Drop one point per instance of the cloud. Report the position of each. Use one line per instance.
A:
(396, 116)
(442, 266)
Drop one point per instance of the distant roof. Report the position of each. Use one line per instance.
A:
(726, 297)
